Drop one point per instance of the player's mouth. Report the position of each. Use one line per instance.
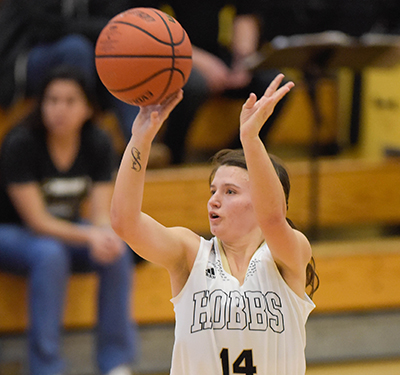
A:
(213, 216)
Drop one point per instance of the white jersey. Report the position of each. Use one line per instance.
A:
(224, 328)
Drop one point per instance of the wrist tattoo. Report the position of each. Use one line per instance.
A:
(136, 166)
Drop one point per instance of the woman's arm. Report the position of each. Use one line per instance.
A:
(290, 248)
(100, 203)
(104, 244)
(108, 245)
(37, 218)
(174, 248)
(212, 68)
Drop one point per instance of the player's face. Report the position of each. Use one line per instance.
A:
(65, 108)
(230, 210)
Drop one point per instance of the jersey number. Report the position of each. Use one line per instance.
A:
(242, 365)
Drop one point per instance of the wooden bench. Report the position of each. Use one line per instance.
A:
(358, 275)
(355, 275)
(150, 303)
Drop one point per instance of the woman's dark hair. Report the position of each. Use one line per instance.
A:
(236, 158)
(62, 72)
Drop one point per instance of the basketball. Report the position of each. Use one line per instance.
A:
(143, 55)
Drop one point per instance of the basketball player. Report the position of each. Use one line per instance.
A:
(239, 298)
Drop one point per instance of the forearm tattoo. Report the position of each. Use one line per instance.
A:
(136, 166)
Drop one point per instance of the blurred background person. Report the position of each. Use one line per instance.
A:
(218, 68)
(39, 35)
(50, 164)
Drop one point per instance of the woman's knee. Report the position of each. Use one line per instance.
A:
(50, 253)
(121, 267)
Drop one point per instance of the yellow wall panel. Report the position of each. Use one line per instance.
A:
(380, 123)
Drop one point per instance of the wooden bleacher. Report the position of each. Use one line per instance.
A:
(216, 124)
(351, 191)
(355, 275)
(217, 121)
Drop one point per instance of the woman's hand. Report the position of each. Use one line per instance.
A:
(151, 117)
(212, 68)
(105, 246)
(219, 76)
(256, 112)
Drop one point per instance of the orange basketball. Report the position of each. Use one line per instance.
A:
(143, 55)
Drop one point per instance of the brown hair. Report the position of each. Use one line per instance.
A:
(61, 72)
(236, 158)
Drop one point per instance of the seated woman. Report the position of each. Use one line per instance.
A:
(49, 164)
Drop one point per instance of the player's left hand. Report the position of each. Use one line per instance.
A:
(256, 112)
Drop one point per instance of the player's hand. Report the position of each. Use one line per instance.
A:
(256, 112)
(151, 117)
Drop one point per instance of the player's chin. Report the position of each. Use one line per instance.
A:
(214, 228)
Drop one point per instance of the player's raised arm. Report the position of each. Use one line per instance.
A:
(147, 237)
(289, 247)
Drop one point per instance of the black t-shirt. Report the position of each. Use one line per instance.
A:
(24, 158)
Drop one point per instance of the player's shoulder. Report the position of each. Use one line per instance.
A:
(304, 244)
(190, 242)
(188, 238)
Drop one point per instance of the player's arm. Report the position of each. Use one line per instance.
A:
(150, 239)
(290, 248)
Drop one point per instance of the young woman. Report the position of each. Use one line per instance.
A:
(49, 165)
(239, 298)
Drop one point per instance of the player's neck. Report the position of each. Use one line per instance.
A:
(234, 262)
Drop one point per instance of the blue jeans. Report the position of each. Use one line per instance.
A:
(48, 263)
(75, 50)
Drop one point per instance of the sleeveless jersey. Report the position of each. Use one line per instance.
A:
(224, 328)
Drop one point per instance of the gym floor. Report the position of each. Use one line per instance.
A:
(390, 367)
(364, 368)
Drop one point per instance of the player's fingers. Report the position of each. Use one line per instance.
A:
(274, 85)
(251, 100)
(170, 103)
(173, 99)
(282, 91)
(154, 116)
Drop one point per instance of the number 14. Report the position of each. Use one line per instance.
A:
(242, 365)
